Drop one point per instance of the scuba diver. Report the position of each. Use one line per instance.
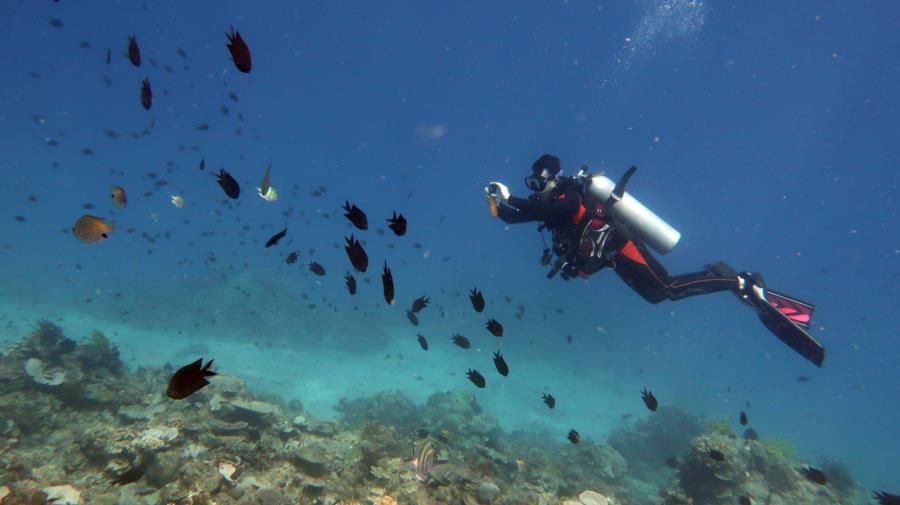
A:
(595, 224)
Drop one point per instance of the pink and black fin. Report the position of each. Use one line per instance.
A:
(798, 311)
(788, 318)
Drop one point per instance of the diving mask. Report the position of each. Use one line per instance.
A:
(535, 182)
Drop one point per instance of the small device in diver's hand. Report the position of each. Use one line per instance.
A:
(491, 194)
(492, 204)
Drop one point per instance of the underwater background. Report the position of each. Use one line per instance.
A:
(765, 132)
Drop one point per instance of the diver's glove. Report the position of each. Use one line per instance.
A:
(498, 189)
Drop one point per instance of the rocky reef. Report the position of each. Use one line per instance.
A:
(723, 469)
(79, 427)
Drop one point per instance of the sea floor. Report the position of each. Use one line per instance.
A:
(81, 428)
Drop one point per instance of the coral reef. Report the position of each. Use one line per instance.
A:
(721, 468)
(79, 427)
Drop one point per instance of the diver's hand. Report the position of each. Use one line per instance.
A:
(499, 189)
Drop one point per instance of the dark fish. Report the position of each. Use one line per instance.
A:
(815, 475)
(182, 53)
(802, 378)
(476, 378)
(886, 498)
(275, 238)
(316, 268)
(55, 23)
(500, 363)
(461, 341)
(398, 224)
(422, 341)
(743, 418)
(202, 127)
(202, 163)
(477, 300)
(744, 500)
(549, 400)
(240, 53)
(649, 400)
(351, 283)
(715, 455)
(356, 216)
(387, 282)
(108, 56)
(413, 318)
(189, 379)
(292, 258)
(494, 327)
(134, 53)
(573, 436)
(419, 304)
(229, 185)
(357, 254)
(421, 433)
(750, 434)
(146, 94)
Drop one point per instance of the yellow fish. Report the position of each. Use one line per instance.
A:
(178, 201)
(270, 195)
(89, 229)
(265, 189)
(117, 193)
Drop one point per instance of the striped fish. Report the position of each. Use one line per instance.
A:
(423, 461)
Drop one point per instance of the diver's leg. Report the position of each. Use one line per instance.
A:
(712, 279)
(788, 318)
(646, 276)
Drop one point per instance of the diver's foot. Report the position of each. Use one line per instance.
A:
(719, 269)
(751, 289)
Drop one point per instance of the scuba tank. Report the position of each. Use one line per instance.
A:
(626, 209)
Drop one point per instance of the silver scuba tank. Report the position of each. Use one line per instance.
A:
(627, 210)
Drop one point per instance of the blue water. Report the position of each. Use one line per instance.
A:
(766, 132)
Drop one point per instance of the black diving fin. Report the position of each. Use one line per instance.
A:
(788, 318)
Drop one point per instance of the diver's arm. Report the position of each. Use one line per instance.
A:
(537, 210)
(512, 215)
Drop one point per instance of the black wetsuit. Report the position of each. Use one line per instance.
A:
(587, 240)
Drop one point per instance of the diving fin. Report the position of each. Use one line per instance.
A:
(798, 311)
(785, 316)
